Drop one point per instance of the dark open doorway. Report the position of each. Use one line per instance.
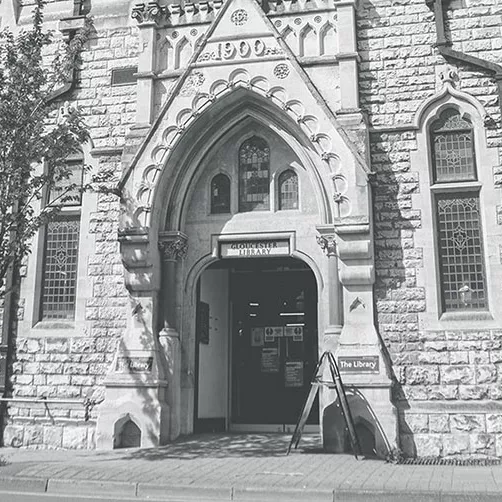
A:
(256, 344)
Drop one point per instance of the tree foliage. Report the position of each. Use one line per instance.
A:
(35, 140)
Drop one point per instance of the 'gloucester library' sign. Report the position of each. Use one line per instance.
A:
(258, 248)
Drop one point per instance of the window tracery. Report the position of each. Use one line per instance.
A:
(254, 175)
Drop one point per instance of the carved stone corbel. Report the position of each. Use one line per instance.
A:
(147, 13)
(136, 257)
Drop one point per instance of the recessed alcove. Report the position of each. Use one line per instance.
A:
(126, 433)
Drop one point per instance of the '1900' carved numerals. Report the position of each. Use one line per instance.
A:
(242, 49)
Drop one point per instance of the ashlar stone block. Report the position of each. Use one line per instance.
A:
(457, 375)
(415, 422)
(443, 392)
(482, 443)
(33, 435)
(75, 438)
(455, 444)
(473, 392)
(494, 423)
(428, 445)
(439, 423)
(486, 373)
(422, 375)
(13, 435)
(467, 423)
(57, 345)
(53, 436)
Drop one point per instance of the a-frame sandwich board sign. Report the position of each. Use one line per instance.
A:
(342, 397)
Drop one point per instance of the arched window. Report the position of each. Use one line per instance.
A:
(254, 175)
(220, 194)
(288, 190)
(452, 148)
(61, 247)
(458, 215)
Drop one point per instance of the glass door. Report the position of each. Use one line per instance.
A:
(274, 347)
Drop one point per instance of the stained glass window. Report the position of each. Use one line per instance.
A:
(453, 148)
(220, 194)
(59, 282)
(288, 190)
(254, 175)
(463, 279)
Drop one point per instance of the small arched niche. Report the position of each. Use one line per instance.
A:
(126, 433)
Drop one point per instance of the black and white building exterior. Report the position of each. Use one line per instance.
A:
(296, 177)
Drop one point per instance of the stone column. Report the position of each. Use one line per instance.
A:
(173, 248)
(148, 15)
(327, 242)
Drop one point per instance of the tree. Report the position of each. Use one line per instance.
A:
(35, 141)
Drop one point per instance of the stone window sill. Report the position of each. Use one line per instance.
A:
(466, 316)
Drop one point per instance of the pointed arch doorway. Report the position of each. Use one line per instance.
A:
(256, 344)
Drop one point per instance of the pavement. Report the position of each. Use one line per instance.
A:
(241, 467)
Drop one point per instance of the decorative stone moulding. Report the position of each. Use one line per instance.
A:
(204, 12)
(182, 120)
(239, 17)
(148, 13)
(173, 246)
(327, 244)
(138, 263)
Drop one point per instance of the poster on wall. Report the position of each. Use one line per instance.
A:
(257, 337)
(270, 360)
(293, 374)
(296, 332)
(273, 332)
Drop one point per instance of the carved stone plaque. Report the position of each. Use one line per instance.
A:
(134, 364)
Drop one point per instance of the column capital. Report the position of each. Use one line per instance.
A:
(327, 243)
(173, 246)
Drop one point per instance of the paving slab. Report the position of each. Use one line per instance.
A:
(245, 467)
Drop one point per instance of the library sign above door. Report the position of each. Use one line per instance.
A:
(263, 248)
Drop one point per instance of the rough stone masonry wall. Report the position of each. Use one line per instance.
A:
(73, 367)
(398, 71)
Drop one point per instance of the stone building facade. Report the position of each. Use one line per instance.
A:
(295, 177)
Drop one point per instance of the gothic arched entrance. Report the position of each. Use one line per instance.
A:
(256, 344)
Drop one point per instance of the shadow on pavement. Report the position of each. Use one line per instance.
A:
(227, 445)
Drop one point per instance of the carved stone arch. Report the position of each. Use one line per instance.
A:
(182, 53)
(328, 40)
(308, 41)
(449, 96)
(165, 55)
(221, 174)
(186, 161)
(289, 36)
(277, 186)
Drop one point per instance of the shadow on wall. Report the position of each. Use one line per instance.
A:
(399, 300)
(372, 439)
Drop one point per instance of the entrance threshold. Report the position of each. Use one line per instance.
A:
(278, 428)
